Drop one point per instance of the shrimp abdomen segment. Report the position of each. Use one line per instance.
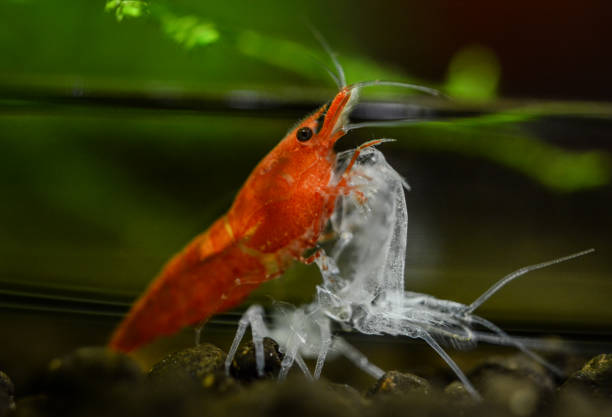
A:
(188, 291)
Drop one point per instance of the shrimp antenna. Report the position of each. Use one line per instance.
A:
(329, 72)
(505, 339)
(340, 79)
(505, 280)
(390, 123)
(423, 89)
(379, 123)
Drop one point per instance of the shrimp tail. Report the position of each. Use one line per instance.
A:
(187, 292)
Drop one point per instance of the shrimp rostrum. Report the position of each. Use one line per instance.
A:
(362, 285)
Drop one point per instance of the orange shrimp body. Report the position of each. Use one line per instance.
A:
(278, 214)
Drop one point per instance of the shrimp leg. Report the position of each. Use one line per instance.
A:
(343, 347)
(451, 363)
(253, 317)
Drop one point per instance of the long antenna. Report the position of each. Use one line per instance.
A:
(331, 54)
(330, 72)
(505, 280)
(427, 90)
(379, 123)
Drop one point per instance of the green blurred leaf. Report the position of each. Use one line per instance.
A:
(473, 74)
(129, 8)
(306, 61)
(499, 139)
(188, 31)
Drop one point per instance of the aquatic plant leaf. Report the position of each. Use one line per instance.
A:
(486, 137)
(473, 74)
(127, 8)
(306, 61)
(189, 31)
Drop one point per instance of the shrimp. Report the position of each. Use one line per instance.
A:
(363, 286)
(281, 211)
(277, 215)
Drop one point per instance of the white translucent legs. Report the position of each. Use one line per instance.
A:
(252, 317)
(362, 287)
(295, 340)
(289, 347)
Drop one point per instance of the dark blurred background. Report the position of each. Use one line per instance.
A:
(125, 132)
(545, 48)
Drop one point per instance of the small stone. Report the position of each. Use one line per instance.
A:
(457, 394)
(558, 357)
(295, 397)
(349, 395)
(572, 403)
(188, 366)
(516, 382)
(220, 383)
(244, 365)
(90, 369)
(7, 393)
(595, 377)
(343, 389)
(80, 379)
(32, 406)
(519, 364)
(395, 382)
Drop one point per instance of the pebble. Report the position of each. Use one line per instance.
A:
(7, 392)
(244, 366)
(97, 382)
(32, 406)
(595, 377)
(516, 382)
(90, 369)
(294, 397)
(199, 365)
(399, 383)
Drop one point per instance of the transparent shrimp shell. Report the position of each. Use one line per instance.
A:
(362, 286)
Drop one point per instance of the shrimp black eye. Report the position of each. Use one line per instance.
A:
(303, 134)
